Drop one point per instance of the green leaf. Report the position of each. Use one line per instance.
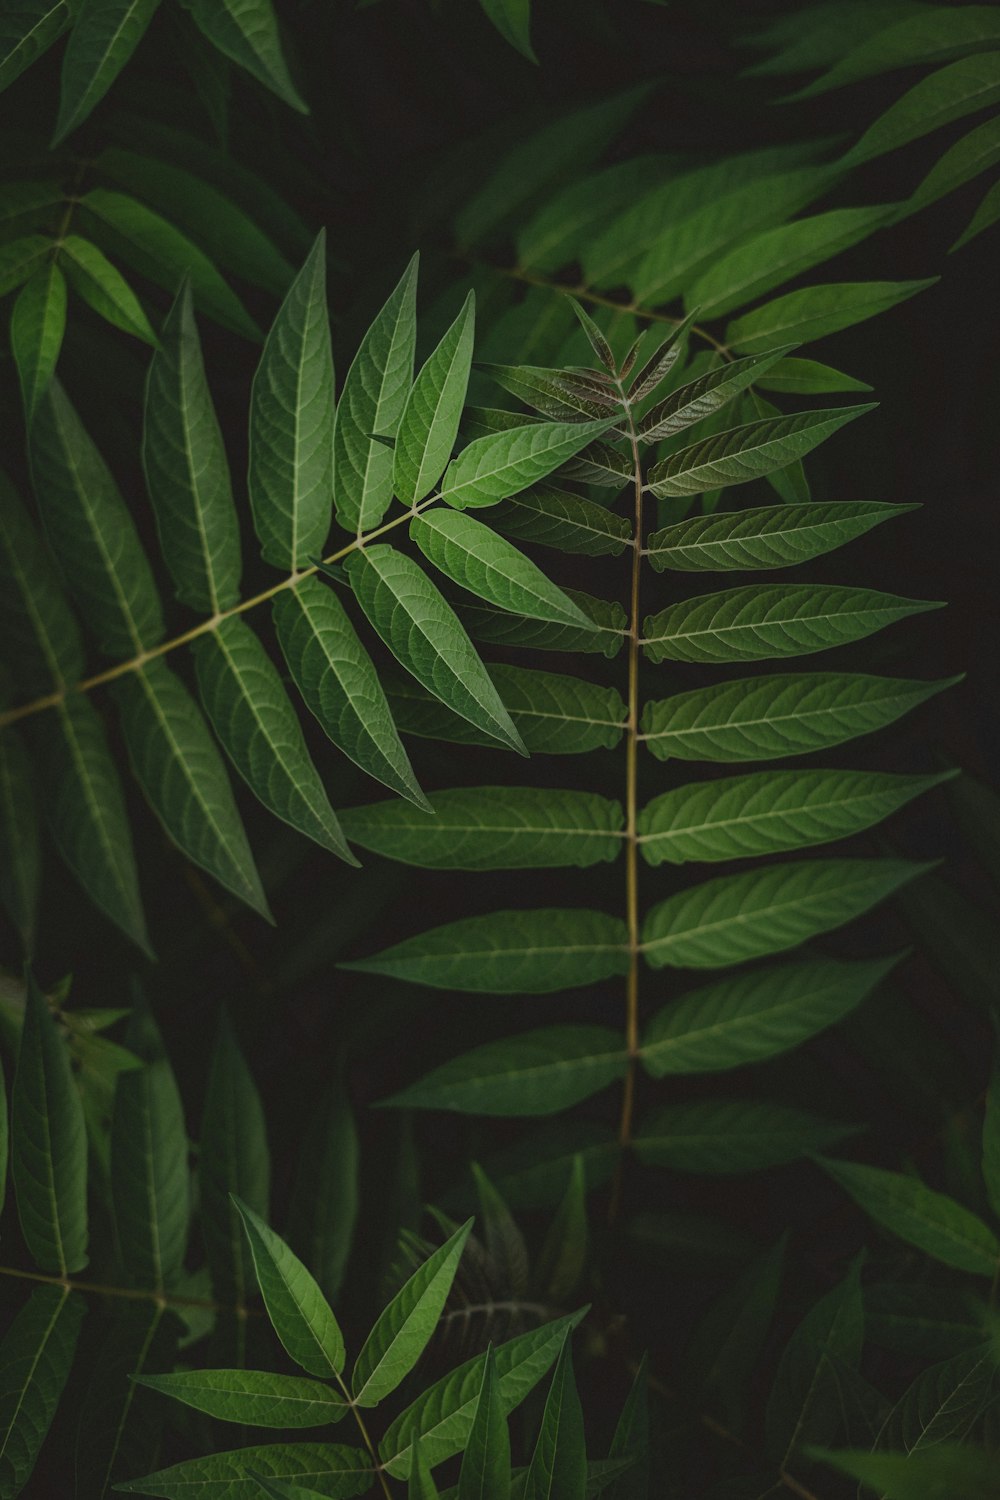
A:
(403, 1330)
(149, 1174)
(631, 1441)
(554, 714)
(562, 1258)
(181, 772)
(757, 1015)
(340, 685)
(720, 1136)
(745, 453)
(91, 531)
(961, 88)
(488, 566)
(766, 718)
(735, 917)
(187, 473)
(510, 952)
(425, 635)
(497, 466)
(485, 1473)
(550, 517)
(224, 231)
(85, 807)
(571, 216)
(536, 1073)
(532, 1172)
(974, 153)
(20, 259)
(986, 214)
(691, 403)
(41, 634)
(298, 1310)
(104, 36)
(27, 29)
(605, 634)
(37, 325)
(119, 1430)
(153, 247)
(290, 474)
(323, 1223)
(103, 288)
(504, 1243)
(35, 1360)
(770, 536)
(256, 1397)
(804, 1404)
(560, 395)
(932, 34)
(246, 31)
(807, 377)
(558, 1468)
(773, 258)
(233, 1158)
(428, 426)
(439, 1420)
(943, 1402)
(48, 1145)
(21, 869)
(328, 1469)
(735, 817)
(259, 729)
(492, 828)
(932, 1221)
(421, 1485)
(816, 311)
(938, 1473)
(761, 622)
(371, 406)
(512, 18)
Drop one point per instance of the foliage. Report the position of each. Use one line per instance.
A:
(476, 484)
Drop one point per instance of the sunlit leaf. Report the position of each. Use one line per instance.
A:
(501, 464)
(428, 426)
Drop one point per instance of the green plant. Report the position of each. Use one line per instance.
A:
(641, 292)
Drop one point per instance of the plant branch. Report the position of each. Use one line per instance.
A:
(130, 1294)
(366, 1438)
(204, 627)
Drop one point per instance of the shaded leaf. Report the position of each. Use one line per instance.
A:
(536, 1073)
(181, 772)
(187, 473)
(21, 868)
(933, 1474)
(550, 517)
(735, 917)
(816, 311)
(803, 1405)
(103, 288)
(48, 1145)
(558, 1468)
(485, 1473)
(492, 828)
(322, 1223)
(340, 685)
(722, 1136)
(290, 473)
(246, 31)
(37, 325)
(35, 1359)
(328, 1469)
(104, 36)
(509, 952)
(761, 622)
(27, 29)
(604, 635)
(772, 536)
(149, 1174)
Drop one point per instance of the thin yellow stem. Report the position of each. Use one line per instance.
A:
(631, 829)
(366, 1439)
(130, 1294)
(204, 627)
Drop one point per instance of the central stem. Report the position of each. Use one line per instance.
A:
(631, 837)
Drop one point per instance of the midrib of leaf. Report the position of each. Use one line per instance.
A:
(752, 626)
(35, 1360)
(754, 818)
(95, 79)
(28, 36)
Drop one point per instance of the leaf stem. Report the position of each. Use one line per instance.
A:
(204, 627)
(366, 1438)
(131, 1294)
(631, 824)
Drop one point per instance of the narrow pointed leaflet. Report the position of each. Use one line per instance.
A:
(339, 684)
(257, 1398)
(187, 472)
(402, 1331)
(371, 406)
(104, 288)
(424, 634)
(428, 426)
(250, 711)
(473, 556)
(558, 1468)
(485, 1473)
(299, 1312)
(515, 952)
(37, 325)
(501, 464)
(290, 474)
(774, 536)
